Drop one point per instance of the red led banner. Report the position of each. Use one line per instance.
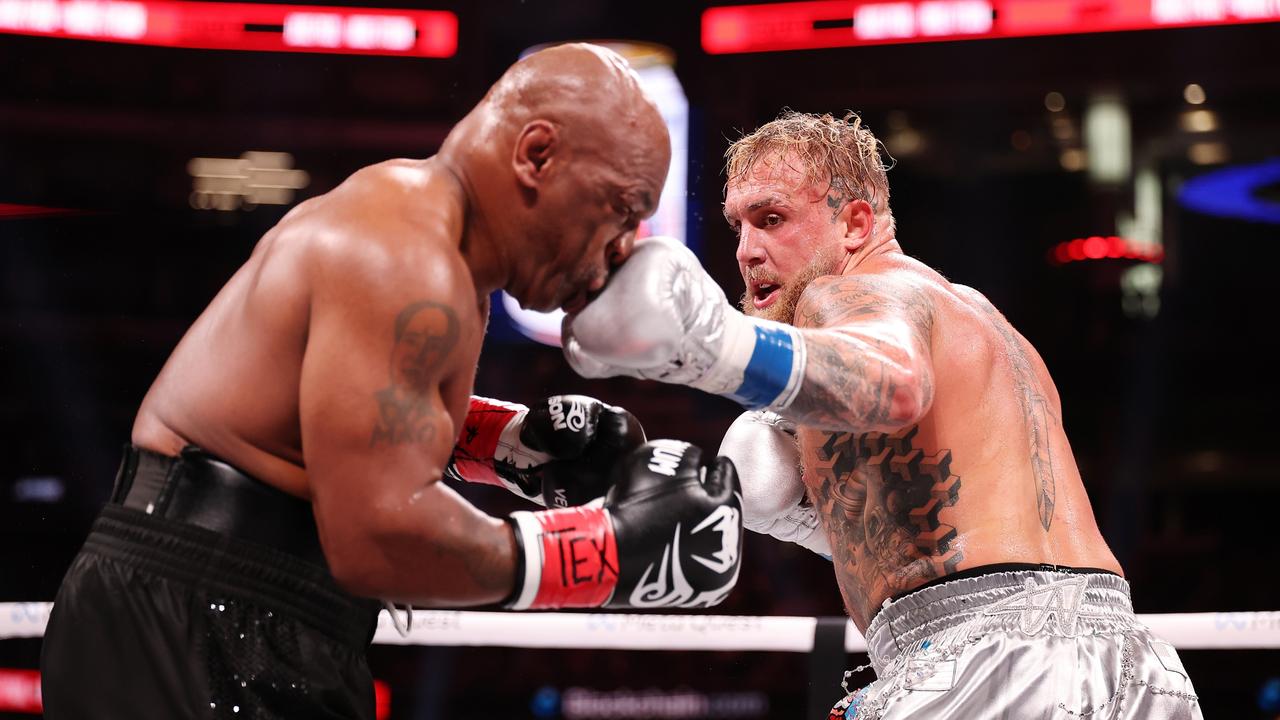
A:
(20, 693)
(846, 23)
(238, 26)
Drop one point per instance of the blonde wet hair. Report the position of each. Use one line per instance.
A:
(839, 154)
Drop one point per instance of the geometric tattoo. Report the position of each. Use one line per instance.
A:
(425, 334)
(881, 496)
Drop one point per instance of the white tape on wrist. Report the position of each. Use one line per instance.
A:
(530, 532)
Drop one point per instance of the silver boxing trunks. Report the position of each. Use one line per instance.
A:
(1020, 645)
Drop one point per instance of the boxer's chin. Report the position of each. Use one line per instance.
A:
(783, 308)
(776, 310)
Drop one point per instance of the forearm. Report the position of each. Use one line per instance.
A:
(858, 383)
(856, 358)
(433, 549)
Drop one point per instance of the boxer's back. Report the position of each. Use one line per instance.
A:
(232, 384)
(986, 477)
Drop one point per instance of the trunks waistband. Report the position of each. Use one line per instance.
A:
(197, 488)
(1032, 602)
(218, 563)
(998, 568)
(197, 519)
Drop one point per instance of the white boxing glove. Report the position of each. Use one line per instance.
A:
(662, 317)
(762, 446)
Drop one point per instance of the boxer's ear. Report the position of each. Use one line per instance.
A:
(534, 153)
(859, 224)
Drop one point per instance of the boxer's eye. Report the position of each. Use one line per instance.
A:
(630, 220)
(772, 220)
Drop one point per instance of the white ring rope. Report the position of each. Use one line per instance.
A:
(618, 631)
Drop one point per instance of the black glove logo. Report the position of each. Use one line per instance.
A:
(724, 521)
(669, 586)
(573, 418)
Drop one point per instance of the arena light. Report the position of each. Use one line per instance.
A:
(1198, 120)
(1233, 192)
(13, 210)
(1109, 247)
(20, 693)
(255, 178)
(1208, 153)
(1107, 138)
(238, 26)
(846, 23)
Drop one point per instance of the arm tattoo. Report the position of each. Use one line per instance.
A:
(425, 334)
(1037, 410)
(852, 380)
(881, 497)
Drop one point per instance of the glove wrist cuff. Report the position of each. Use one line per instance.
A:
(482, 432)
(569, 556)
(760, 362)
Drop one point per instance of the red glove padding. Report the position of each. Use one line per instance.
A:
(558, 453)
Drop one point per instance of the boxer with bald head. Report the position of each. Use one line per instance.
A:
(900, 426)
(285, 466)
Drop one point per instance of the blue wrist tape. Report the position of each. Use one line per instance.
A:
(772, 369)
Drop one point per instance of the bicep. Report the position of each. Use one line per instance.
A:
(375, 428)
(869, 358)
(886, 313)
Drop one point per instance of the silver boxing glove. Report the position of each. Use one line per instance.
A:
(662, 317)
(762, 446)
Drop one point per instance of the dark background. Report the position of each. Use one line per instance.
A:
(1171, 417)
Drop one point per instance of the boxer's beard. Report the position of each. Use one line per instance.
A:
(784, 308)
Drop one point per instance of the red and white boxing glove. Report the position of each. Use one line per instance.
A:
(668, 535)
(762, 446)
(559, 453)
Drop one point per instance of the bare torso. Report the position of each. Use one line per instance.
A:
(232, 384)
(987, 476)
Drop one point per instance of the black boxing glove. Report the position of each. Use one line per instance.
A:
(557, 453)
(668, 535)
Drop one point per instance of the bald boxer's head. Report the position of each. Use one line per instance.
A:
(563, 158)
(804, 192)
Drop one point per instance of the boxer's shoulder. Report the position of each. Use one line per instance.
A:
(391, 239)
(398, 206)
(972, 297)
(864, 296)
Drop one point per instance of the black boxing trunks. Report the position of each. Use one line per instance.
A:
(203, 593)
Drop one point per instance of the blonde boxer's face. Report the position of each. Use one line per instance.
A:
(789, 234)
